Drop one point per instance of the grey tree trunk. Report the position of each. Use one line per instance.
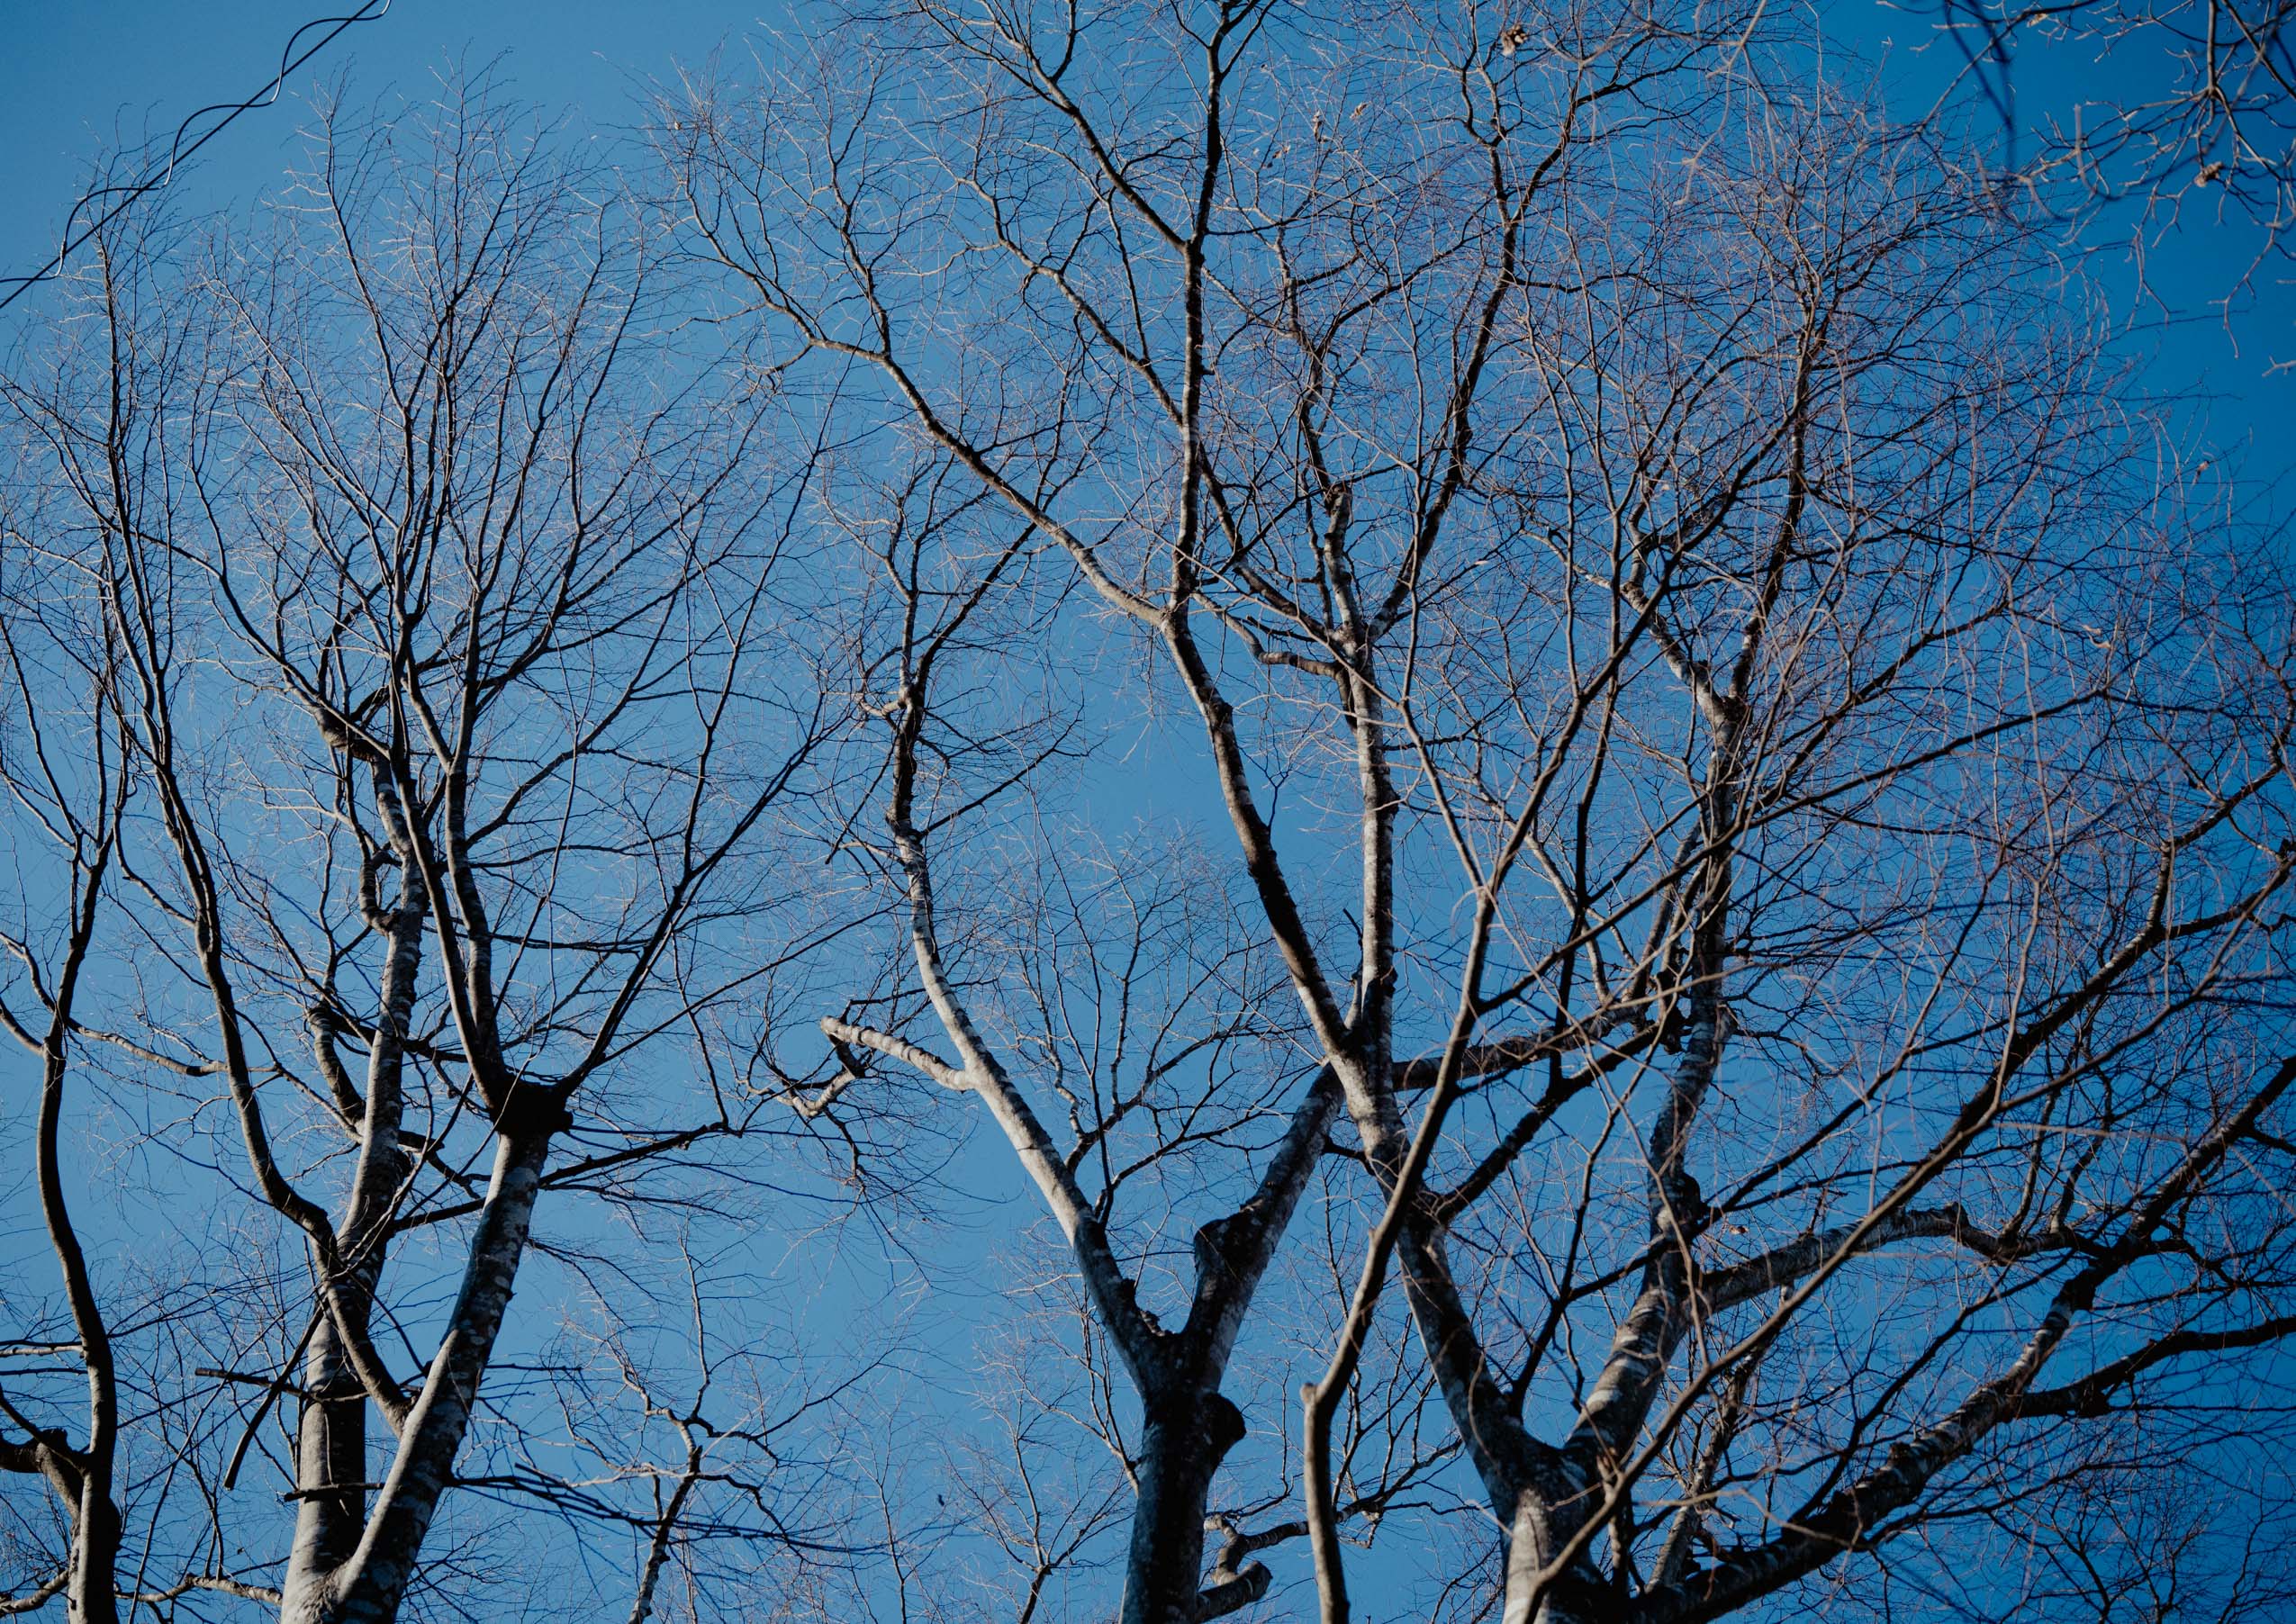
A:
(332, 1446)
(1186, 1439)
(96, 1549)
(345, 1565)
(374, 1582)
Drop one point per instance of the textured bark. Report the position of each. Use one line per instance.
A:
(331, 1445)
(374, 1582)
(1186, 1438)
(330, 1448)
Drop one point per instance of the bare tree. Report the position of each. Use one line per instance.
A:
(1806, 811)
(62, 763)
(1511, 696)
(762, 194)
(438, 598)
(1129, 999)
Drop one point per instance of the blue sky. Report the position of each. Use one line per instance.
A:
(76, 73)
(79, 74)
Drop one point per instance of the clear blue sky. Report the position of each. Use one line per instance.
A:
(76, 75)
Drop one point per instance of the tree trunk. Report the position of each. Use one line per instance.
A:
(330, 1448)
(332, 1443)
(95, 1551)
(1187, 1438)
(1533, 1533)
(374, 1582)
